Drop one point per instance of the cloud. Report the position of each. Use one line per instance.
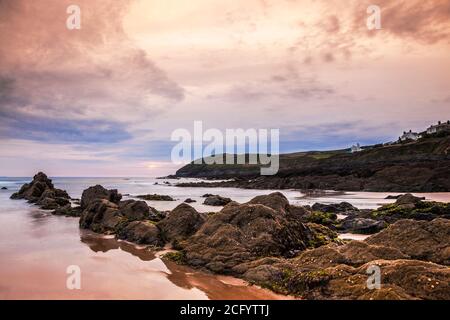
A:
(423, 21)
(93, 73)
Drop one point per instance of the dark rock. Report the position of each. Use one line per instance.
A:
(155, 197)
(4, 188)
(361, 225)
(420, 210)
(242, 233)
(408, 199)
(134, 210)
(189, 200)
(391, 197)
(216, 200)
(181, 223)
(422, 240)
(68, 211)
(206, 195)
(101, 216)
(98, 192)
(334, 207)
(141, 232)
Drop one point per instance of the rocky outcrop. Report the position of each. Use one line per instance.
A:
(42, 192)
(141, 232)
(155, 197)
(99, 192)
(341, 271)
(4, 188)
(421, 240)
(181, 223)
(216, 200)
(189, 200)
(102, 216)
(410, 207)
(135, 210)
(240, 233)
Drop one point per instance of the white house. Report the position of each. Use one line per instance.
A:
(439, 127)
(409, 136)
(355, 148)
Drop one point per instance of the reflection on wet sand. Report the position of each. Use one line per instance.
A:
(215, 287)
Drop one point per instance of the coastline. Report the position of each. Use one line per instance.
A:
(250, 269)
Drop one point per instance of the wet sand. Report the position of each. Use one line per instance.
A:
(36, 248)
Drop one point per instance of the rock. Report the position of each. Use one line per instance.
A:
(420, 210)
(155, 197)
(206, 195)
(141, 232)
(98, 192)
(422, 240)
(216, 200)
(4, 188)
(408, 199)
(334, 207)
(42, 192)
(134, 210)
(181, 223)
(189, 200)
(34, 190)
(68, 211)
(102, 216)
(241, 233)
(361, 225)
(391, 197)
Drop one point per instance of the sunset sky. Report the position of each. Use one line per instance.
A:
(104, 100)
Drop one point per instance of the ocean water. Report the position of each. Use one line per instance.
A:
(36, 248)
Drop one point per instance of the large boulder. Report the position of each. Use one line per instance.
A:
(181, 223)
(421, 240)
(238, 233)
(215, 200)
(142, 232)
(102, 216)
(134, 210)
(99, 192)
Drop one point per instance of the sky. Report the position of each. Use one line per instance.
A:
(103, 100)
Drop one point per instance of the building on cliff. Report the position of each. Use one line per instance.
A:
(409, 136)
(439, 127)
(355, 148)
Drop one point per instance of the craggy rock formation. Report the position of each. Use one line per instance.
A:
(102, 216)
(410, 207)
(142, 232)
(237, 234)
(216, 200)
(42, 192)
(181, 223)
(135, 210)
(341, 271)
(421, 240)
(98, 192)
